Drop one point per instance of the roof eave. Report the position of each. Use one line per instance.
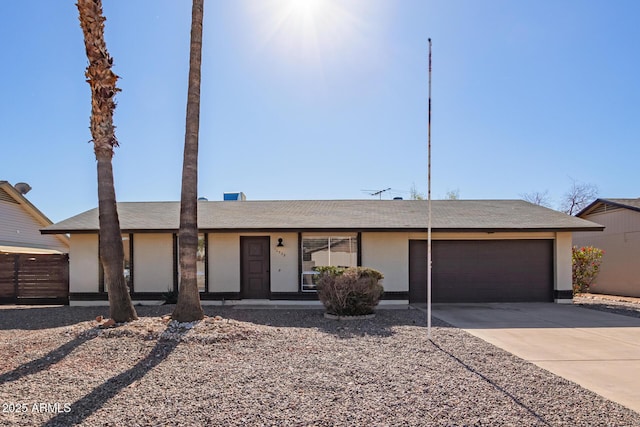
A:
(341, 229)
(592, 205)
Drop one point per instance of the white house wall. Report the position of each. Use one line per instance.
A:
(620, 240)
(563, 276)
(84, 266)
(284, 263)
(224, 262)
(389, 254)
(153, 262)
(19, 229)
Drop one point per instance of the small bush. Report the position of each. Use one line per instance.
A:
(353, 291)
(170, 297)
(586, 262)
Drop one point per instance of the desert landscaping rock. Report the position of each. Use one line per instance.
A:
(610, 304)
(274, 367)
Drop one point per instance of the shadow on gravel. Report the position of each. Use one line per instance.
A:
(493, 384)
(382, 325)
(45, 361)
(611, 308)
(34, 318)
(90, 403)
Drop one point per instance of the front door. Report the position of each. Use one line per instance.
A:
(254, 266)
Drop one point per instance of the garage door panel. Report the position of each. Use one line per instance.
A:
(484, 271)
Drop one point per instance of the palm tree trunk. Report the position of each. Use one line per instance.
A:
(103, 88)
(111, 249)
(188, 307)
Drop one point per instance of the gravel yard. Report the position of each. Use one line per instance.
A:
(611, 304)
(273, 367)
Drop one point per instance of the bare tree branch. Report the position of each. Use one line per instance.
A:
(578, 196)
(540, 198)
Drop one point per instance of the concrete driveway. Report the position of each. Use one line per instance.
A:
(600, 351)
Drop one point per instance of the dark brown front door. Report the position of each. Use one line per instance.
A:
(254, 267)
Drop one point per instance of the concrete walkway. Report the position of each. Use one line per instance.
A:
(600, 351)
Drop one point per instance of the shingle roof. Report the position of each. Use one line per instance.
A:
(633, 204)
(381, 215)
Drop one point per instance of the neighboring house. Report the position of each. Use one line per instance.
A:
(20, 224)
(620, 269)
(255, 251)
(33, 267)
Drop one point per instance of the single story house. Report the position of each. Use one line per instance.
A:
(20, 224)
(620, 269)
(257, 251)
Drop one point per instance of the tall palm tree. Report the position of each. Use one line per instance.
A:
(103, 88)
(188, 307)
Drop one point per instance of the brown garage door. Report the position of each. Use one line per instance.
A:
(482, 270)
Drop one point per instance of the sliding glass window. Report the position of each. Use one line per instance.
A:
(332, 250)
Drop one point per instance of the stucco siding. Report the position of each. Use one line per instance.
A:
(18, 228)
(389, 254)
(152, 262)
(620, 240)
(284, 263)
(563, 275)
(224, 262)
(84, 267)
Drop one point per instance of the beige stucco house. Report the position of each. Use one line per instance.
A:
(265, 251)
(20, 224)
(620, 240)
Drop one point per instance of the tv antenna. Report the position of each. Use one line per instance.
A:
(377, 192)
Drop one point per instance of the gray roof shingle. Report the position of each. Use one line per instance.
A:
(380, 215)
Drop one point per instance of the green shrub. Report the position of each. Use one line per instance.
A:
(354, 291)
(586, 262)
(330, 269)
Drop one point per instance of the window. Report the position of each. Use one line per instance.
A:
(127, 239)
(336, 251)
(201, 259)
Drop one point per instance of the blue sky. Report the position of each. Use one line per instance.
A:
(313, 99)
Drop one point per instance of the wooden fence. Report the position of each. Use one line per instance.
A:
(34, 279)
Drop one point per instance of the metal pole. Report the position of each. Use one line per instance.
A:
(429, 208)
